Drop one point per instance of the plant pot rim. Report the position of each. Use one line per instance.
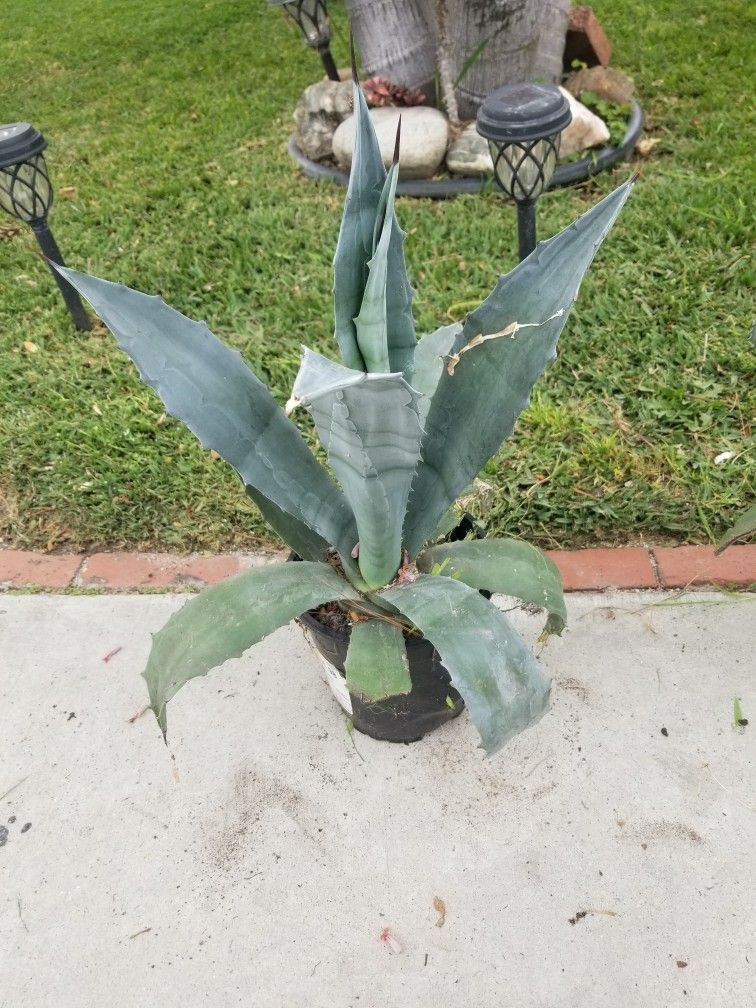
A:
(313, 623)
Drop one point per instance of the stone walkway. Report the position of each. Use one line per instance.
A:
(267, 858)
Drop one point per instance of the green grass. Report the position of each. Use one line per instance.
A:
(171, 119)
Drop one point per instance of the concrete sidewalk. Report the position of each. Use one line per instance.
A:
(604, 857)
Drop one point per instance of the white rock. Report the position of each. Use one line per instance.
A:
(585, 130)
(469, 154)
(425, 134)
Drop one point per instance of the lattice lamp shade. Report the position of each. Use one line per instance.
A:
(312, 18)
(25, 190)
(523, 124)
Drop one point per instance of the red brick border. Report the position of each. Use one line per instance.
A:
(135, 571)
(684, 565)
(594, 569)
(582, 570)
(19, 568)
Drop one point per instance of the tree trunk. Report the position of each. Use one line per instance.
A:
(396, 39)
(554, 23)
(443, 62)
(522, 40)
(518, 40)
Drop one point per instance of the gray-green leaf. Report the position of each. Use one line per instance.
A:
(226, 619)
(503, 686)
(369, 206)
(355, 245)
(431, 352)
(371, 323)
(474, 409)
(509, 566)
(743, 527)
(369, 426)
(376, 664)
(306, 543)
(209, 387)
(449, 521)
(400, 325)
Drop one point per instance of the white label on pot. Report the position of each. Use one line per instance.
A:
(338, 685)
(333, 677)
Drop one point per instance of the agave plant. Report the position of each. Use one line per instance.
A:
(406, 425)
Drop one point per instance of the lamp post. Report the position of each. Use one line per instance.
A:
(311, 17)
(523, 125)
(26, 194)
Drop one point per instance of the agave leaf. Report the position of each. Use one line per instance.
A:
(355, 245)
(509, 566)
(306, 543)
(371, 323)
(226, 619)
(503, 347)
(369, 426)
(502, 684)
(400, 325)
(376, 664)
(368, 212)
(743, 527)
(209, 387)
(399, 295)
(449, 521)
(429, 362)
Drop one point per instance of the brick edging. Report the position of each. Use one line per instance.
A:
(582, 570)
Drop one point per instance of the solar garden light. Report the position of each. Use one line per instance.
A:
(311, 17)
(523, 124)
(26, 194)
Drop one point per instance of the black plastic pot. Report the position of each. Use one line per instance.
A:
(432, 701)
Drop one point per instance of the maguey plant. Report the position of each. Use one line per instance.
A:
(406, 425)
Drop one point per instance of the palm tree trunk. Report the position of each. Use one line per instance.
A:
(396, 39)
(445, 76)
(556, 18)
(516, 40)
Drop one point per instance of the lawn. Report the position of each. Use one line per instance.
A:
(168, 124)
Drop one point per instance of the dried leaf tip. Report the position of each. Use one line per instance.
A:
(397, 142)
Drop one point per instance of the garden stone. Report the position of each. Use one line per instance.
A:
(605, 82)
(585, 130)
(425, 134)
(319, 111)
(469, 154)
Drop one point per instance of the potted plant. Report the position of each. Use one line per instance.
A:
(406, 426)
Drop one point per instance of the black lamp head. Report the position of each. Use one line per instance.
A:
(19, 142)
(311, 16)
(25, 190)
(523, 124)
